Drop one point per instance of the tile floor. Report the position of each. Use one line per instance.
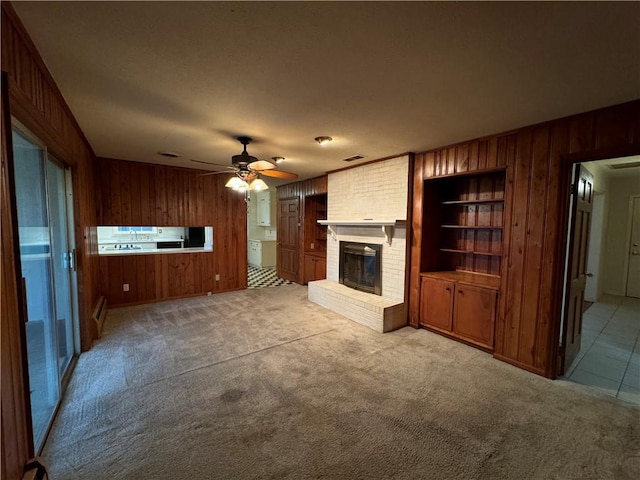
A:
(264, 277)
(609, 358)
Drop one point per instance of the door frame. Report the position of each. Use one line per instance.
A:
(20, 419)
(564, 169)
(627, 242)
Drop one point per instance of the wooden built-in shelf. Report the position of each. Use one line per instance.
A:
(466, 278)
(473, 202)
(474, 227)
(464, 218)
(315, 234)
(472, 252)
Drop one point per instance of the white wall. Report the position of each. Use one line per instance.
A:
(593, 289)
(595, 258)
(621, 187)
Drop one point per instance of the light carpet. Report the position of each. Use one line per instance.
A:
(263, 384)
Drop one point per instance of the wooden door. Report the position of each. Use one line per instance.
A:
(287, 251)
(577, 266)
(474, 314)
(436, 303)
(633, 272)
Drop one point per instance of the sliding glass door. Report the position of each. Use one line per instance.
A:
(61, 264)
(46, 260)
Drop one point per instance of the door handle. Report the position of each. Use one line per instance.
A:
(635, 253)
(589, 275)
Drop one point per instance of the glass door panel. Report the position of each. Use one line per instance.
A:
(61, 263)
(35, 259)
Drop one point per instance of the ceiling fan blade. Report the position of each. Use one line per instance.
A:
(260, 165)
(210, 163)
(279, 174)
(215, 173)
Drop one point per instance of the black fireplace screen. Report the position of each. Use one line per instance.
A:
(360, 266)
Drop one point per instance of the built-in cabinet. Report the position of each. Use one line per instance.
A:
(462, 253)
(464, 219)
(315, 267)
(315, 238)
(458, 304)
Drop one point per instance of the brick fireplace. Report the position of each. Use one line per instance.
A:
(367, 205)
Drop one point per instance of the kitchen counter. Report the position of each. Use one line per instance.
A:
(155, 251)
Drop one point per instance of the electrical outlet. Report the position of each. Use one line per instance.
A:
(313, 246)
(125, 287)
(217, 277)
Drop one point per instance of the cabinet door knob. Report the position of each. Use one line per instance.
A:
(461, 292)
(448, 289)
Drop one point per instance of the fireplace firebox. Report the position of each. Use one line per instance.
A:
(359, 266)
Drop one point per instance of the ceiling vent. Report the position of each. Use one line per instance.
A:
(620, 166)
(355, 157)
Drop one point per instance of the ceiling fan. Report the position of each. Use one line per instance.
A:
(247, 170)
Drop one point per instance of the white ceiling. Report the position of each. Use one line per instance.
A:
(381, 78)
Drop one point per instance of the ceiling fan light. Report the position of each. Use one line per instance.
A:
(236, 183)
(258, 185)
(323, 140)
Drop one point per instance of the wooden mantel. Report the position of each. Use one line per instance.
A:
(386, 225)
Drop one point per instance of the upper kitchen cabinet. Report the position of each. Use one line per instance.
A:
(264, 217)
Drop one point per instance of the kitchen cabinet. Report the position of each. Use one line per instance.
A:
(262, 253)
(315, 268)
(263, 211)
(460, 305)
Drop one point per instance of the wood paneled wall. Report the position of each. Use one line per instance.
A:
(301, 190)
(131, 193)
(36, 102)
(537, 160)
